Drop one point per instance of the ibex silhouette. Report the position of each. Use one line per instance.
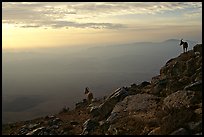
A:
(89, 95)
(185, 45)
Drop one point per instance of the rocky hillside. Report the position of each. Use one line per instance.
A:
(170, 104)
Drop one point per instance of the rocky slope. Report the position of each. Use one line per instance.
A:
(170, 104)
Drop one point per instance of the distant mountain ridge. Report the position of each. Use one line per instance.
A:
(168, 41)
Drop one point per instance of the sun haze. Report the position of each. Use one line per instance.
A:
(37, 25)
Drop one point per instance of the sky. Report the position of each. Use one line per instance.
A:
(27, 25)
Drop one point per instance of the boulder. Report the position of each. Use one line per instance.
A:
(139, 102)
(105, 108)
(180, 99)
(118, 94)
(133, 103)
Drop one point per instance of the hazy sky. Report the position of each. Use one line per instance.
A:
(34, 25)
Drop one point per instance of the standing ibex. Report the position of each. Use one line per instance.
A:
(89, 95)
(185, 45)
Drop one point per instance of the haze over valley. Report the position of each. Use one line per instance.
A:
(51, 51)
(44, 82)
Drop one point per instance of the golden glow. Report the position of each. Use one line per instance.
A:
(40, 25)
(24, 38)
(15, 38)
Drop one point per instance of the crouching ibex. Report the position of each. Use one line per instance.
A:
(185, 45)
(89, 95)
